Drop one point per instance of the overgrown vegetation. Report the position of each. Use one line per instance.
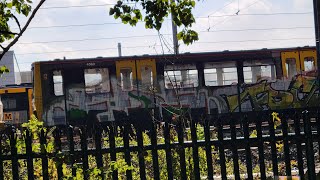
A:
(35, 128)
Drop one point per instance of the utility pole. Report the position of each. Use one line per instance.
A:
(174, 35)
(119, 49)
(316, 8)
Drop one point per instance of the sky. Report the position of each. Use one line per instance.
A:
(84, 29)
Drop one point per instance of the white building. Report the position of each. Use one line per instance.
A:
(14, 76)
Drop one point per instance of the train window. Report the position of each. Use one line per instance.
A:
(146, 76)
(255, 71)
(181, 76)
(57, 83)
(126, 79)
(97, 80)
(211, 77)
(291, 68)
(309, 64)
(230, 76)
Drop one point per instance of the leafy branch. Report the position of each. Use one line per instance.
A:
(21, 6)
(155, 12)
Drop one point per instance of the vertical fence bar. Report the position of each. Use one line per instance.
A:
(208, 148)
(195, 149)
(155, 161)
(127, 155)
(260, 148)
(14, 159)
(284, 124)
(30, 155)
(1, 157)
(113, 153)
(297, 138)
(309, 145)
(273, 146)
(168, 150)
(181, 150)
(247, 148)
(84, 148)
(44, 158)
(98, 150)
(142, 166)
(58, 151)
(318, 130)
(234, 149)
(221, 150)
(71, 148)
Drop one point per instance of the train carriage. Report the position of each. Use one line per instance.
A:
(104, 89)
(17, 103)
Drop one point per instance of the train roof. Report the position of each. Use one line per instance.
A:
(212, 56)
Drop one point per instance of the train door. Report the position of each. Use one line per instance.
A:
(295, 62)
(135, 78)
(137, 75)
(75, 95)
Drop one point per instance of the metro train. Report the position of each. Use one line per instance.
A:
(17, 103)
(102, 89)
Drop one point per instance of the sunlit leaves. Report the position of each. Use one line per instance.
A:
(7, 10)
(154, 13)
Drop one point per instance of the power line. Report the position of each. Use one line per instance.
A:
(257, 29)
(84, 50)
(143, 36)
(73, 25)
(258, 14)
(133, 47)
(255, 40)
(90, 39)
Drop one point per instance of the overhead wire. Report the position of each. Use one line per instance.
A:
(150, 46)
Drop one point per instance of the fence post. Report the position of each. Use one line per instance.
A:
(84, 148)
(247, 148)
(234, 147)
(195, 149)
(98, 150)
(181, 150)
(221, 150)
(309, 145)
(168, 150)
(208, 147)
(260, 147)
(155, 161)
(127, 155)
(142, 166)
(273, 146)
(71, 146)
(113, 153)
(30, 154)
(297, 131)
(286, 149)
(43, 144)
(58, 152)
(14, 159)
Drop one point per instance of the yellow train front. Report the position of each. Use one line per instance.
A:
(17, 103)
(111, 89)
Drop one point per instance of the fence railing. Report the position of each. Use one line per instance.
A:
(226, 146)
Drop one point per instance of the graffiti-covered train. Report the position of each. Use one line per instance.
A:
(100, 89)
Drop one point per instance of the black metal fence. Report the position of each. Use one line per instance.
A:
(226, 146)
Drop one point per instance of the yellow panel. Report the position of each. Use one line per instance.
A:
(308, 53)
(12, 90)
(30, 102)
(37, 90)
(126, 64)
(289, 55)
(148, 62)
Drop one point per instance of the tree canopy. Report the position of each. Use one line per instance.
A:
(155, 12)
(151, 12)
